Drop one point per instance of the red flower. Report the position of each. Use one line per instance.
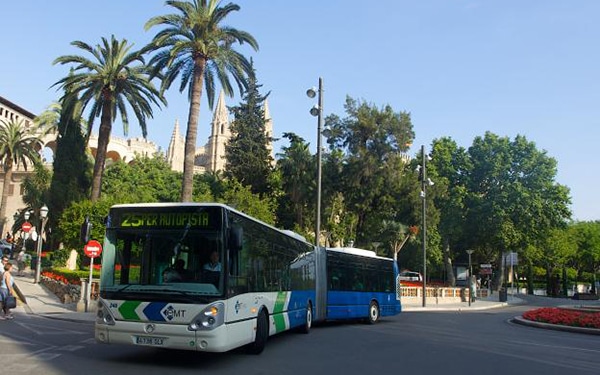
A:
(567, 317)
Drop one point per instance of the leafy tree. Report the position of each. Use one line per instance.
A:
(296, 167)
(19, 145)
(248, 157)
(118, 77)
(242, 198)
(195, 44)
(209, 186)
(372, 141)
(586, 236)
(448, 167)
(558, 248)
(72, 165)
(145, 179)
(74, 215)
(36, 186)
(513, 199)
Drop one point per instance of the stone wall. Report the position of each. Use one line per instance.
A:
(66, 293)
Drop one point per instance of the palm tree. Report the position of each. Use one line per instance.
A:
(108, 84)
(194, 44)
(18, 145)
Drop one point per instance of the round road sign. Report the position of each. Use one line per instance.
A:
(92, 249)
(26, 227)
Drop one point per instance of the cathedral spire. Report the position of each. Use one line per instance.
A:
(220, 133)
(268, 128)
(221, 115)
(175, 152)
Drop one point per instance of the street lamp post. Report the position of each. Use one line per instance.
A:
(317, 110)
(38, 265)
(470, 280)
(423, 197)
(425, 182)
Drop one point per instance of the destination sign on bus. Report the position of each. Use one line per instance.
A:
(165, 219)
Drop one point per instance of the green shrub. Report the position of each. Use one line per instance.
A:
(59, 258)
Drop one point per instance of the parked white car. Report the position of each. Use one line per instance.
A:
(410, 276)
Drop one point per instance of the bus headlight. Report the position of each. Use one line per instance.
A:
(103, 315)
(209, 318)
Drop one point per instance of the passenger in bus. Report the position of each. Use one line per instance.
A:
(212, 270)
(169, 275)
(184, 274)
(213, 262)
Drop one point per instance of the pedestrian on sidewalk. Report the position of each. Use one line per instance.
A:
(21, 262)
(4, 262)
(6, 289)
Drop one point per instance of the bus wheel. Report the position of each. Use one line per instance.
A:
(262, 334)
(373, 312)
(305, 328)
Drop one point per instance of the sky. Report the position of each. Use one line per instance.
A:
(460, 67)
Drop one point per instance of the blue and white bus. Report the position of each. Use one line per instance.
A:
(206, 277)
(356, 284)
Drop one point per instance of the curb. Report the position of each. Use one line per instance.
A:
(556, 327)
(441, 308)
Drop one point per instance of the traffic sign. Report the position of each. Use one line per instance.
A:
(92, 249)
(26, 226)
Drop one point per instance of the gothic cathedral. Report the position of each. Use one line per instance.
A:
(211, 156)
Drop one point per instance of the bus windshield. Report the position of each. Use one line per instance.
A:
(183, 264)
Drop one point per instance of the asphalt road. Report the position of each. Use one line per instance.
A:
(479, 342)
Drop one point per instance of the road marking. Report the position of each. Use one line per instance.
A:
(70, 348)
(44, 330)
(555, 346)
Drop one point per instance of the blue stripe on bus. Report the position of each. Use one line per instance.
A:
(348, 305)
(297, 307)
(154, 311)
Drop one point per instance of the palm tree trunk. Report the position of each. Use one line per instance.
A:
(5, 188)
(187, 185)
(103, 139)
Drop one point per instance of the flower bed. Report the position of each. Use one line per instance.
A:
(564, 316)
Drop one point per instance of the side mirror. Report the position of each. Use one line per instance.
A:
(236, 235)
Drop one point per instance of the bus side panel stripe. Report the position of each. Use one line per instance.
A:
(127, 310)
(278, 316)
(153, 311)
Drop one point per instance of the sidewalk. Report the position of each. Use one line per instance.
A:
(491, 302)
(40, 301)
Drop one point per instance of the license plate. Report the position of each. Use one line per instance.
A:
(149, 340)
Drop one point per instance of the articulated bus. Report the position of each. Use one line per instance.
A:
(360, 284)
(206, 277)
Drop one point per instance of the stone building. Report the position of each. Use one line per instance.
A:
(211, 156)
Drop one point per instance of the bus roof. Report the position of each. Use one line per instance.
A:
(356, 251)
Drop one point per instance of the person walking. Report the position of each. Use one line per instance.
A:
(4, 262)
(21, 262)
(6, 289)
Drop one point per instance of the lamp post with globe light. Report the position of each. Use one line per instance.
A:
(425, 182)
(317, 110)
(38, 265)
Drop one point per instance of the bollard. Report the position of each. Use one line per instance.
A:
(82, 303)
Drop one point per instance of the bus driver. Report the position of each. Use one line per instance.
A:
(212, 270)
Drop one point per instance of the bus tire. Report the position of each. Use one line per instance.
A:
(373, 312)
(262, 333)
(305, 328)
